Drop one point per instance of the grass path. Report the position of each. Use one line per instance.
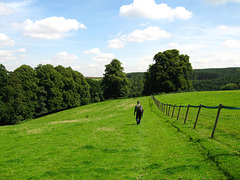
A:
(102, 141)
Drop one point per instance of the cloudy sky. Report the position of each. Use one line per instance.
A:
(87, 34)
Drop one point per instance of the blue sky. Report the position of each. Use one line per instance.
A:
(87, 34)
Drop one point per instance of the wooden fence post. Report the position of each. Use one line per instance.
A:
(173, 110)
(215, 125)
(169, 109)
(187, 114)
(179, 112)
(197, 116)
(166, 109)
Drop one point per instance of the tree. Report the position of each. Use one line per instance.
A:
(68, 89)
(230, 86)
(51, 81)
(169, 73)
(4, 90)
(11, 98)
(27, 77)
(137, 84)
(95, 90)
(82, 88)
(28, 93)
(115, 83)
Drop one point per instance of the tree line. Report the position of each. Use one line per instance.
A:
(170, 72)
(216, 79)
(28, 93)
(203, 79)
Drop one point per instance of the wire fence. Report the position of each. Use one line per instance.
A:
(207, 120)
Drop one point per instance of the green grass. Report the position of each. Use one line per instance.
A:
(224, 149)
(102, 141)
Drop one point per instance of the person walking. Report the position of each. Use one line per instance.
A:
(138, 111)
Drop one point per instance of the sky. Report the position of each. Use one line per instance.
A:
(87, 34)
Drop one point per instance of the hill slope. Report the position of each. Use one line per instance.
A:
(102, 141)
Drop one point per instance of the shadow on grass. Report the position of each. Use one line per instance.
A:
(88, 147)
(130, 124)
(226, 155)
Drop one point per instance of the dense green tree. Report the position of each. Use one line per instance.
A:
(169, 73)
(69, 88)
(11, 98)
(15, 99)
(28, 93)
(4, 114)
(3, 77)
(82, 88)
(51, 81)
(115, 83)
(27, 77)
(230, 86)
(41, 107)
(136, 85)
(95, 90)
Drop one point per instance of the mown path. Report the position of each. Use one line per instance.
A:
(102, 141)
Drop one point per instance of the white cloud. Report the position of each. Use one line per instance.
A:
(187, 48)
(90, 69)
(144, 24)
(142, 62)
(61, 58)
(173, 45)
(5, 9)
(103, 57)
(19, 4)
(228, 30)
(222, 27)
(231, 43)
(221, 1)
(94, 65)
(6, 55)
(10, 8)
(117, 43)
(5, 40)
(92, 51)
(149, 9)
(21, 50)
(216, 59)
(64, 57)
(49, 28)
(100, 57)
(150, 33)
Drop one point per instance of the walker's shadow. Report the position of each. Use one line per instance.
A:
(130, 124)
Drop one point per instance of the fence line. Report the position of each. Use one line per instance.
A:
(165, 108)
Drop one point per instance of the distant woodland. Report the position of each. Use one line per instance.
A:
(216, 79)
(202, 79)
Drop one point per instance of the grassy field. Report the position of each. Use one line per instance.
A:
(102, 141)
(224, 149)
